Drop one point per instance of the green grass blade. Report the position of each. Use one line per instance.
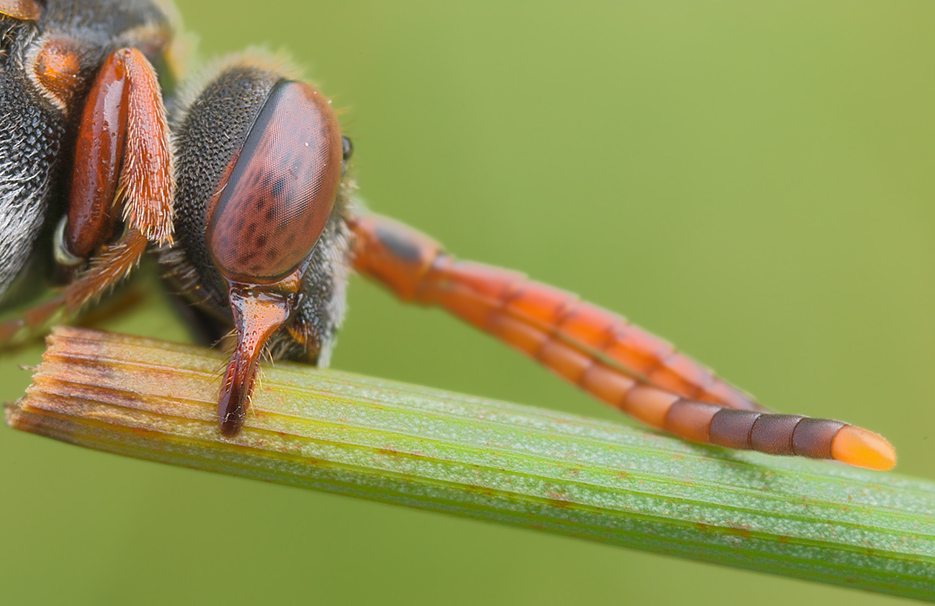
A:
(478, 458)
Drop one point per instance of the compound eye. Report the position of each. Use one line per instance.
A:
(25, 10)
(270, 209)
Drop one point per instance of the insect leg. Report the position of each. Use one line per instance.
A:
(122, 171)
(122, 157)
(600, 352)
(123, 162)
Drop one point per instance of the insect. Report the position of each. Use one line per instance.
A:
(241, 192)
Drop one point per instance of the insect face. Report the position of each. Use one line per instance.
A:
(259, 212)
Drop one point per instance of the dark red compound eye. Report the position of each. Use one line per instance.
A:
(270, 210)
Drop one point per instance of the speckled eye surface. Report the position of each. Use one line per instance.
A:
(275, 200)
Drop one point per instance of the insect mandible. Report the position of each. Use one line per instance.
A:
(241, 192)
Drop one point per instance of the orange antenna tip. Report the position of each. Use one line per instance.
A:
(862, 448)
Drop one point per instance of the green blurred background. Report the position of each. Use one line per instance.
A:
(752, 182)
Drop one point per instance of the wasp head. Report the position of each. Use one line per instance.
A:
(261, 244)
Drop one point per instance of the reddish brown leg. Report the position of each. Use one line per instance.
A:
(598, 351)
(123, 163)
(123, 170)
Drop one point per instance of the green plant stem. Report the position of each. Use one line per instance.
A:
(490, 460)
